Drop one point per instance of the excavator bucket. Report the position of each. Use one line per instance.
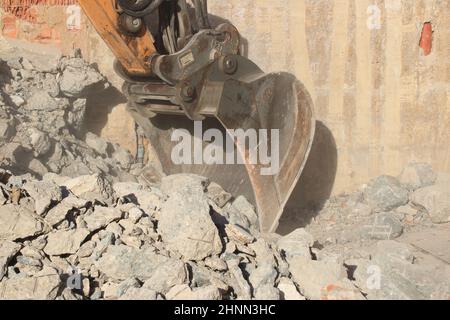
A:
(248, 131)
(277, 106)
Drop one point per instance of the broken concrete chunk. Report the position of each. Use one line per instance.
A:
(141, 294)
(216, 264)
(267, 293)
(92, 188)
(313, 277)
(41, 101)
(65, 241)
(123, 158)
(18, 223)
(244, 207)
(44, 194)
(264, 275)
(8, 250)
(42, 286)
(386, 193)
(240, 285)
(121, 263)
(418, 175)
(167, 276)
(75, 81)
(297, 243)
(98, 144)
(183, 292)
(239, 234)
(384, 226)
(218, 195)
(40, 142)
(186, 225)
(101, 217)
(58, 213)
(436, 200)
(76, 114)
(184, 183)
(289, 290)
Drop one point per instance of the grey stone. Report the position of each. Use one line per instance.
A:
(186, 225)
(58, 213)
(184, 183)
(141, 294)
(183, 292)
(76, 114)
(18, 223)
(289, 290)
(40, 142)
(418, 175)
(240, 285)
(167, 276)
(267, 293)
(386, 193)
(8, 250)
(44, 194)
(101, 217)
(239, 234)
(385, 226)
(123, 158)
(391, 275)
(297, 243)
(41, 101)
(436, 200)
(313, 277)
(264, 275)
(98, 144)
(92, 188)
(245, 208)
(65, 241)
(216, 264)
(6, 130)
(218, 195)
(42, 286)
(121, 263)
(75, 81)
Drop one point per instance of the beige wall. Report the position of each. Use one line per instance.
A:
(380, 101)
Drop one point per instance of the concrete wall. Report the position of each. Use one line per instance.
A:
(380, 101)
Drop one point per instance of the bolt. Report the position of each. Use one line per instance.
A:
(230, 65)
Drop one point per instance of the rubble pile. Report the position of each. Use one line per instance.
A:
(42, 111)
(79, 221)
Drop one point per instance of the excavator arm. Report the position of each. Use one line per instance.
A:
(179, 69)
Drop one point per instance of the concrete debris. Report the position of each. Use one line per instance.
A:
(435, 200)
(44, 194)
(122, 262)
(418, 175)
(102, 217)
(386, 193)
(19, 223)
(77, 77)
(8, 250)
(79, 220)
(185, 223)
(297, 243)
(42, 286)
(65, 242)
(91, 187)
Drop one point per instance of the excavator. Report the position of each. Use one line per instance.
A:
(179, 69)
